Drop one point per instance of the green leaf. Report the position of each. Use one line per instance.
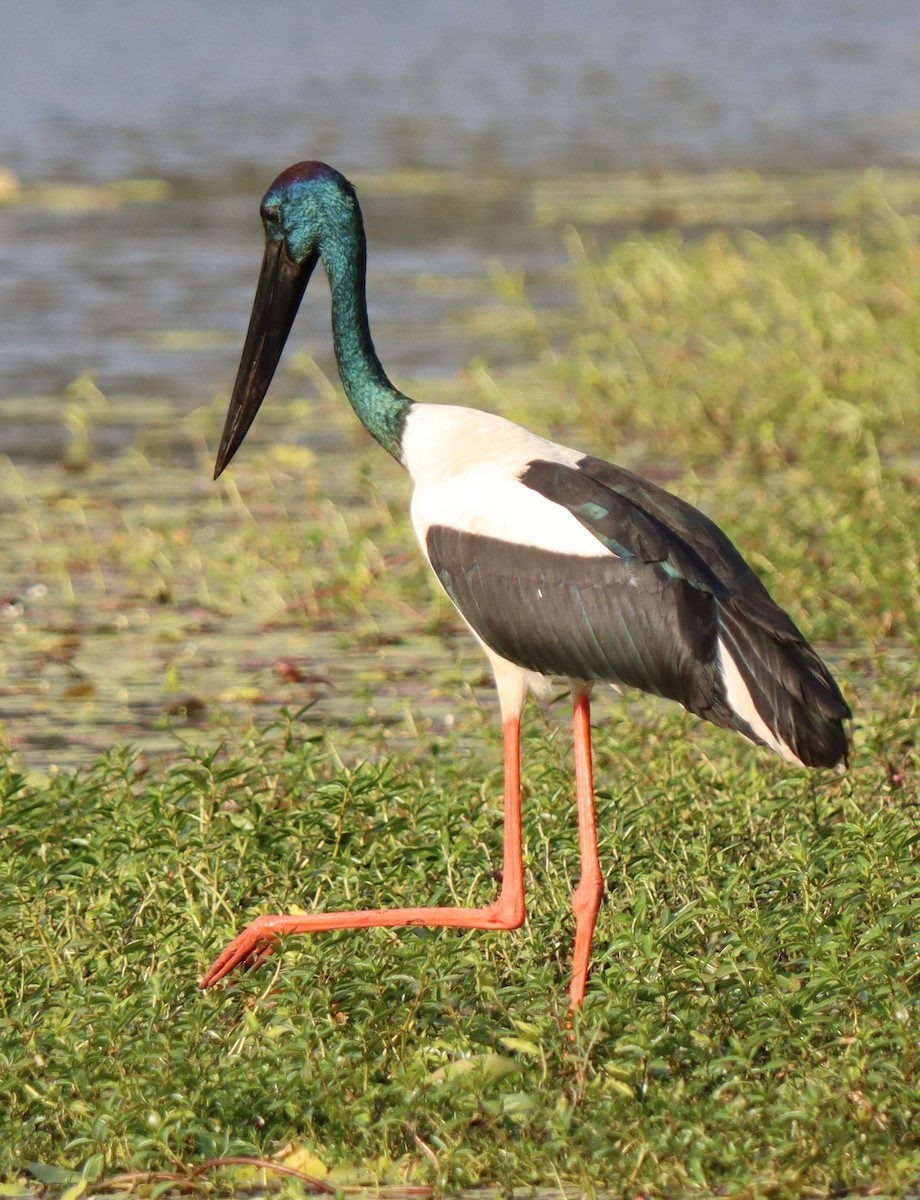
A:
(486, 1067)
(522, 1045)
(56, 1176)
(518, 1104)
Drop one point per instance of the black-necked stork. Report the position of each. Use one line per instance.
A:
(560, 563)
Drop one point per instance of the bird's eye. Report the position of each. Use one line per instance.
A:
(271, 216)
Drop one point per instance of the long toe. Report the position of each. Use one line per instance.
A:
(248, 950)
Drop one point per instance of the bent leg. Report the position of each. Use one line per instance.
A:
(507, 912)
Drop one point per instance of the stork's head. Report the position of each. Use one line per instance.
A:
(305, 213)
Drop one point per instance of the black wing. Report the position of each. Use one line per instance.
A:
(792, 689)
(618, 619)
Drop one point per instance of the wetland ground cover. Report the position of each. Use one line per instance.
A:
(225, 699)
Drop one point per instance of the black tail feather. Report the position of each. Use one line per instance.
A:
(792, 689)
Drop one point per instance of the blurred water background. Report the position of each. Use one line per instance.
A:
(477, 132)
(213, 100)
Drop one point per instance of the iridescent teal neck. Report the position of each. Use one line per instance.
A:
(380, 407)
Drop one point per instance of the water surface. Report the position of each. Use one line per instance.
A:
(216, 105)
(463, 124)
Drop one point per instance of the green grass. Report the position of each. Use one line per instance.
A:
(752, 1024)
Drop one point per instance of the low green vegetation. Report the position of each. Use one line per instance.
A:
(310, 728)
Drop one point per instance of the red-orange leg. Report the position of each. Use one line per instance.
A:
(507, 912)
(586, 899)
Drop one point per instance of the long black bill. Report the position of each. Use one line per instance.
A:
(282, 283)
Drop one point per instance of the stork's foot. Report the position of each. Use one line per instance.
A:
(248, 950)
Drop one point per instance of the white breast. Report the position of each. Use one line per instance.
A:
(466, 466)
